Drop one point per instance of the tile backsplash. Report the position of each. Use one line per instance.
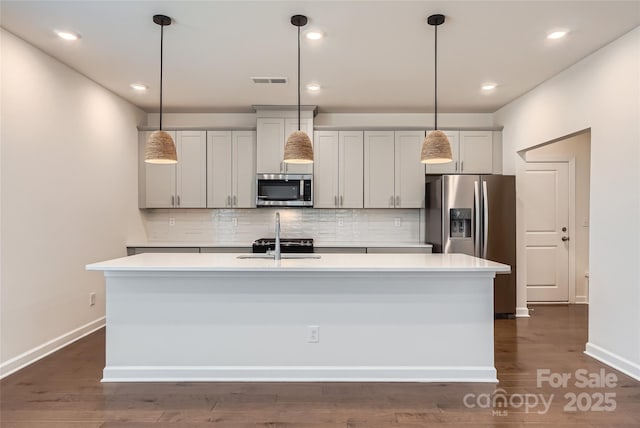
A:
(247, 225)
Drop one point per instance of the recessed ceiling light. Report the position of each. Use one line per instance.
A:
(557, 34)
(314, 35)
(67, 35)
(489, 86)
(314, 87)
(139, 87)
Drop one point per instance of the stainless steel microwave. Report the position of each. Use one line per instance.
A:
(284, 190)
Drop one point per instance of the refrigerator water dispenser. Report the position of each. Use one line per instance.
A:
(460, 222)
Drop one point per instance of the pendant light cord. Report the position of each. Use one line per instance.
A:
(298, 78)
(436, 81)
(161, 43)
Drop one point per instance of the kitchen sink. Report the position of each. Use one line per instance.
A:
(283, 256)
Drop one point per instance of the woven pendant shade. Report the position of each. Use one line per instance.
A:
(160, 148)
(298, 148)
(436, 148)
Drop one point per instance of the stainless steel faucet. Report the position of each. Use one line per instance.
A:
(276, 253)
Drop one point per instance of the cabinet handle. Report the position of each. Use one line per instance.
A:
(228, 200)
(173, 201)
(335, 201)
(235, 201)
(391, 201)
(397, 201)
(461, 166)
(178, 198)
(341, 201)
(456, 166)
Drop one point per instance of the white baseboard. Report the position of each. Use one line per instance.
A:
(617, 362)
(582, 300)
(522, 312)
(13, 365)
(297, 374)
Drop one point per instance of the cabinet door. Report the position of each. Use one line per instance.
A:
(291, 125)
(379, 169)
(476, 152)
(351, 164)
(191, 178)
(270, 146)
(409, 172)
(325, 169)
(157, 182)
(244, 169)
(219, 169)
(451, 167)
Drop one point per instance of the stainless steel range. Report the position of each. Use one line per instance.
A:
(287, 245)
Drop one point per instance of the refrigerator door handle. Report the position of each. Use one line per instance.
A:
(485, 214)
(476, 234)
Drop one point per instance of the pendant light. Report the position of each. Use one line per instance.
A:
(160, 147)
(436, 147)
(298, 148)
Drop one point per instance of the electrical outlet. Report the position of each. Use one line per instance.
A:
(313, 334)
(397, 222)
(234, 221)
(92, 299)
(172, 221)
(340, 221)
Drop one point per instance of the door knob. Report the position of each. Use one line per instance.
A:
(565, 238)
(564, 229)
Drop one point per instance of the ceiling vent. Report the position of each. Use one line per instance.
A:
(269, 80)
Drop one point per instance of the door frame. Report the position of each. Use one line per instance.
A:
(571, 163)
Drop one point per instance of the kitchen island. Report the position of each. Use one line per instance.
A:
(356, 317)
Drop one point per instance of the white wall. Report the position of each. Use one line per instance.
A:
(578, 147)
(69, 197)
(601, 92)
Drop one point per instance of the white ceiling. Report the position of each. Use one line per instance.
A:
(377, 56)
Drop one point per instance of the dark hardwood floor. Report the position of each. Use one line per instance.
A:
(64, 390)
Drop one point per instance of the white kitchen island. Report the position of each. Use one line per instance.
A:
(342, 317)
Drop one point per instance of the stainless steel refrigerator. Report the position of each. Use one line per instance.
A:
(476, 215)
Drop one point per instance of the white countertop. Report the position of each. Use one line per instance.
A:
(221, 262)
(320, 244)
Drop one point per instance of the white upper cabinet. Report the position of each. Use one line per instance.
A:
(476, 152)
(182, 185)
(231, 169)
(272, 135)
(351, 159)
(393, 174)
(157, 182)
(472, 154)
(270, 150)
(338, 169)
(379, 169)
(191, 170)
(409, 171)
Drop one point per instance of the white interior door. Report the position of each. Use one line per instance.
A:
(546, 206)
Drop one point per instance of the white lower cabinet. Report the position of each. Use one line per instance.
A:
(472, 153)
(231, 160)
(338, 169)
(181, 185)
(393, 174)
